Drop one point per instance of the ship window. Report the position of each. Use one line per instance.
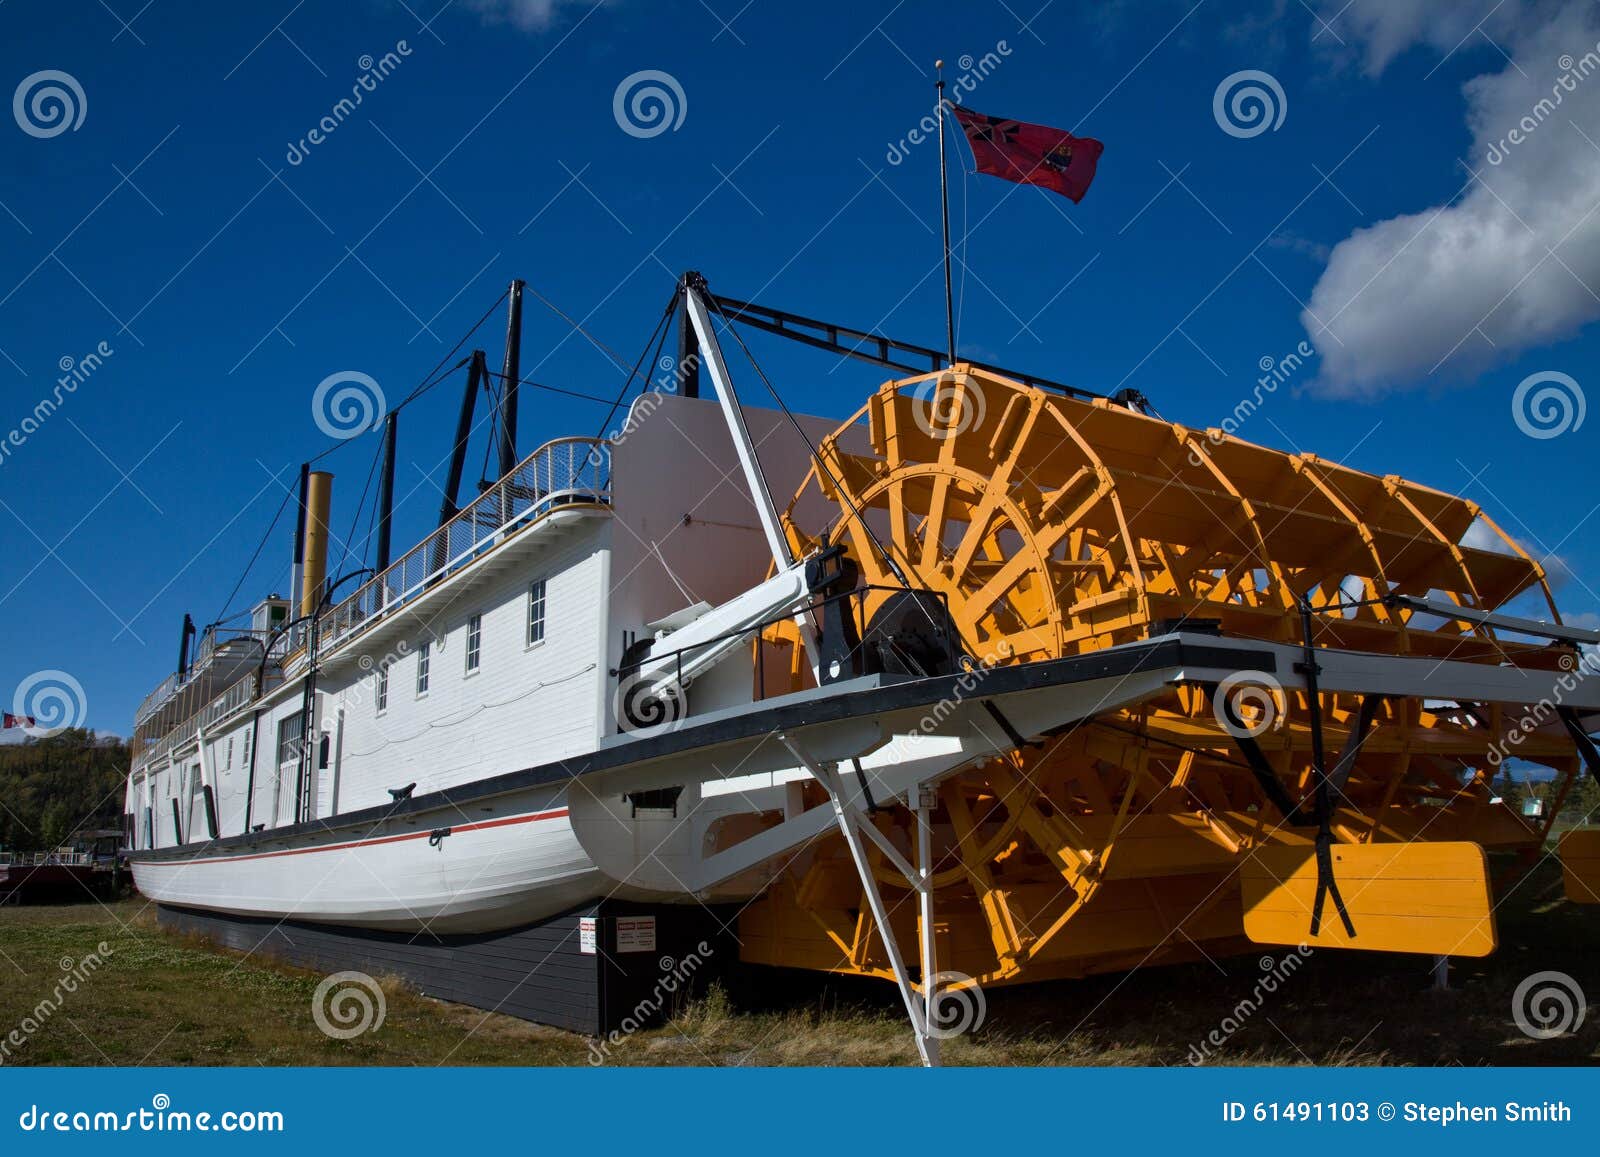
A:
(380, 695)
(536, 612)
(474, 642)
(424, 663)
(289, 732)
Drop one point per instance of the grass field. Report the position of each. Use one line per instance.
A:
(160, 999)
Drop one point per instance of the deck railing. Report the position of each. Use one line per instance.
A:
(560, 473)
(210, 643)
(224, 706)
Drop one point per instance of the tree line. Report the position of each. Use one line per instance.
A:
(57, 787)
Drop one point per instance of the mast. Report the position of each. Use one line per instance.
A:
(688, 367)
(476, 373)
(511, 372)
(944, 201)
(386, 491)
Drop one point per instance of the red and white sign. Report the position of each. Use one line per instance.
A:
(636, 933)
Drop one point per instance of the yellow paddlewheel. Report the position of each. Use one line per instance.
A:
(1050, 527)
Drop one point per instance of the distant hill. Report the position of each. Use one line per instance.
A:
(53, 788)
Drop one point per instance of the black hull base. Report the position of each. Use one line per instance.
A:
(635, 975)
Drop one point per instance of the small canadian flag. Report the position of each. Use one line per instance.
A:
(18, 721)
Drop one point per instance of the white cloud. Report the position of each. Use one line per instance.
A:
(528, 15)
(1454, 288)
(1480, 536)
(1384, 29)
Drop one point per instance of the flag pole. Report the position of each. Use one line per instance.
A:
(944, 200)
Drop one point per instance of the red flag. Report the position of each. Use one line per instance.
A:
(1031, 154)
(17, 721)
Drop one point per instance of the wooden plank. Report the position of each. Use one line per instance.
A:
(1429, 898)
(1580, 864)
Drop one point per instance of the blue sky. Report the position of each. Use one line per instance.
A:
(227, 281)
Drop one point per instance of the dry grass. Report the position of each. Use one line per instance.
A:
(175, 1000)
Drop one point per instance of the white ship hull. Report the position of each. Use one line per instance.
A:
(490, 872)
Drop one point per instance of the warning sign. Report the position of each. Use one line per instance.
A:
(636, 933)
(586, 937)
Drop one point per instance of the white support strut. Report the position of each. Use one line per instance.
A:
(729, 400)
(922, 800)
(847, 816)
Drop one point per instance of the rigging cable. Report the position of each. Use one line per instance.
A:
(431, 379)
(287, 494)
(555, 389)
(578, 326)
(360, 506)
(666, 314)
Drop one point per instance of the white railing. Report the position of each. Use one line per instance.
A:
(210, 643)
(224, 706)
(565, 472)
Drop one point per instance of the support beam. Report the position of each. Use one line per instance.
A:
(1450, 610)
(847, 815)
(870, 347)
